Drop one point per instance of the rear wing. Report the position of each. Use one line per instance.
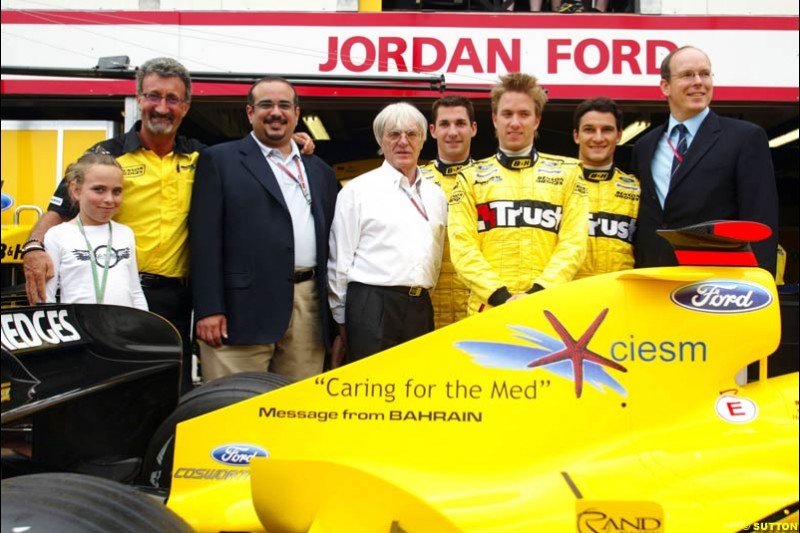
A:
(719, 242)
(57, 353)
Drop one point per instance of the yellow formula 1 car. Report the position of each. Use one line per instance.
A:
(608, 404)
(605, 405)
(14, 237)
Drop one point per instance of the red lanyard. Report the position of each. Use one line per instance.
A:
(420, 209)
(298, 179)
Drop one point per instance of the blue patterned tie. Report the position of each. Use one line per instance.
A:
(680, 148)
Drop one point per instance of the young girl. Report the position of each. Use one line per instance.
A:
(94, 258)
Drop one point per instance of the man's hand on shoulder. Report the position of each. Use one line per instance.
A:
(305, 142)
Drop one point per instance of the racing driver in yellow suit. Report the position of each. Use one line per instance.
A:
(613, 195)
(453, 126)
(518, 221)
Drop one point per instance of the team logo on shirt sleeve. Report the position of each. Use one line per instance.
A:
(456, 194)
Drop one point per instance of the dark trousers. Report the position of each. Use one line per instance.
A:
(378, 318)
(172, 299)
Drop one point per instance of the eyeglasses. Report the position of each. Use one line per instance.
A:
(690, 75)
(395, 135)
(155, 98)
(268, 105)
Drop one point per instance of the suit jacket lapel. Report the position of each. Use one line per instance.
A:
(315, 187)
(253, 160)
(646, 155)
(707, 136)
(649, 151)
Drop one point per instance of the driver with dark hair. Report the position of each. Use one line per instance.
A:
(613, 195)
(453, 126)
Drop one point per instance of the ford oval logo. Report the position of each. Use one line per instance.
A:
(722, 296)
(7, 202)
(237, 454)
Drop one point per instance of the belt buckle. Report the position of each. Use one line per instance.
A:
(415, 291)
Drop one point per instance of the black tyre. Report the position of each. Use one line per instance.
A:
(222, 392)
(75, 503)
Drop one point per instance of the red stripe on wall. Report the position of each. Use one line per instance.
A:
(402, 19)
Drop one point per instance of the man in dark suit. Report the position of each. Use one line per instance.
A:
(715, 168)
(259, 227)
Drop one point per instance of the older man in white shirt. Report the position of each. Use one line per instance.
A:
(386, 243)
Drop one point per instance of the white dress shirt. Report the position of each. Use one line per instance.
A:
(297, 200)
(380, 237)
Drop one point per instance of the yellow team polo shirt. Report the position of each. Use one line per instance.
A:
(155, 200)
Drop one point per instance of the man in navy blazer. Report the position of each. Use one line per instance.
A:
(259, 225)
(725, 173)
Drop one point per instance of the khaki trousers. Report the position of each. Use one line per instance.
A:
(299, 354)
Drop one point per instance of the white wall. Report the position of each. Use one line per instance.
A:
(718, 7)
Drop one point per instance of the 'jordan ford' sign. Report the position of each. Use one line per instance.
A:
(722, 296)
